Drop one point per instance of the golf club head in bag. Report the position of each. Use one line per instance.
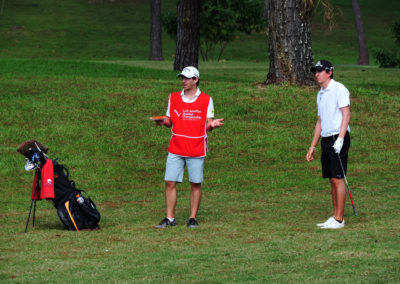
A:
(34, 153)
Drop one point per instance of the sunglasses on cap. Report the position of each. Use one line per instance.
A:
(320, 69)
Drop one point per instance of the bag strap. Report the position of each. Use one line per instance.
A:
(63, 168)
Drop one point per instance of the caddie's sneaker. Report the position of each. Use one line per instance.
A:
(192, 223)
(334, 225)
(330, 219)
(165, 223)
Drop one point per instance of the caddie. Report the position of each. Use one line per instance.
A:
(190, 113)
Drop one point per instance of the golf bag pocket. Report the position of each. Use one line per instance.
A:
(79, 213)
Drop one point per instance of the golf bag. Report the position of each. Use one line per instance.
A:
(75, 210)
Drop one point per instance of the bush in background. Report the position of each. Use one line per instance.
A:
(389, 59)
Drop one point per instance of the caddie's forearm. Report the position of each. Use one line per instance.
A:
(208, 125)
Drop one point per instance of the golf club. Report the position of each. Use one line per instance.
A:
(347, 186)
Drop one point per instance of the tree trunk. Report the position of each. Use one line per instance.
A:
(363, 57)
(289, 37)
(188, 34)
(155, 31)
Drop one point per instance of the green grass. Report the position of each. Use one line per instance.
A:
(261, 199)
(75, 76)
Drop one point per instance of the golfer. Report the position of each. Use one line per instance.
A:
(332, 125)
(190, 113)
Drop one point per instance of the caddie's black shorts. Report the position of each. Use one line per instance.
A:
(330, 160)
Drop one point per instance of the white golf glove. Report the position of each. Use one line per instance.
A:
(338, 145)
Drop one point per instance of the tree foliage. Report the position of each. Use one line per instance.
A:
(220, 21)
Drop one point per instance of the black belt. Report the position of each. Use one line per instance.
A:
(332, 137)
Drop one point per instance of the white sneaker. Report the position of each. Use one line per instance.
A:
(330, 219)
(334, 225)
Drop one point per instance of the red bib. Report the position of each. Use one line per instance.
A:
(47, 183)
(189, 120)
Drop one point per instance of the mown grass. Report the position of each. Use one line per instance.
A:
(261, 199)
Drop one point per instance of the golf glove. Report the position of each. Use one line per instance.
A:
(338, 145)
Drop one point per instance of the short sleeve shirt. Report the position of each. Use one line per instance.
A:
(210, 110)
(330, 100)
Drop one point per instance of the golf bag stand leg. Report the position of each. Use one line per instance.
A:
(34, 214)
(34, 210)
(29, 216)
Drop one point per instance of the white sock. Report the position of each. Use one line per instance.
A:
(171, 219)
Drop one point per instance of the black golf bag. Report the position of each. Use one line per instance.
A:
(76, 211)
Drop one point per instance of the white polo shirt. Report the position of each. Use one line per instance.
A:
(210, 110)
(329, 101)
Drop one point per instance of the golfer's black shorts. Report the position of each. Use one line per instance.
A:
(330, 160)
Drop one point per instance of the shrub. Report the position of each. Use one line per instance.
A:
(388, 59)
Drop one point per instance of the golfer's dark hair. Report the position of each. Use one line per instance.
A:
(198, 81)
(327, 71)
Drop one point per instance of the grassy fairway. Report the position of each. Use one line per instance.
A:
(261, 199)
(74, 76)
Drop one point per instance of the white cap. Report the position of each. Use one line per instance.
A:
(189, 72)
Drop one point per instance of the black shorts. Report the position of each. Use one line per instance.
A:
(329, 159)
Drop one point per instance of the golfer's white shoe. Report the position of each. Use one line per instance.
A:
(334, 225)
(330, 219)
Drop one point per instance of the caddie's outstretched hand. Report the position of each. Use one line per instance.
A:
(160, 122)
(216, 123)
(166, 121)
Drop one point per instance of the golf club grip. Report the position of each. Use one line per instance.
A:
(351, 197)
